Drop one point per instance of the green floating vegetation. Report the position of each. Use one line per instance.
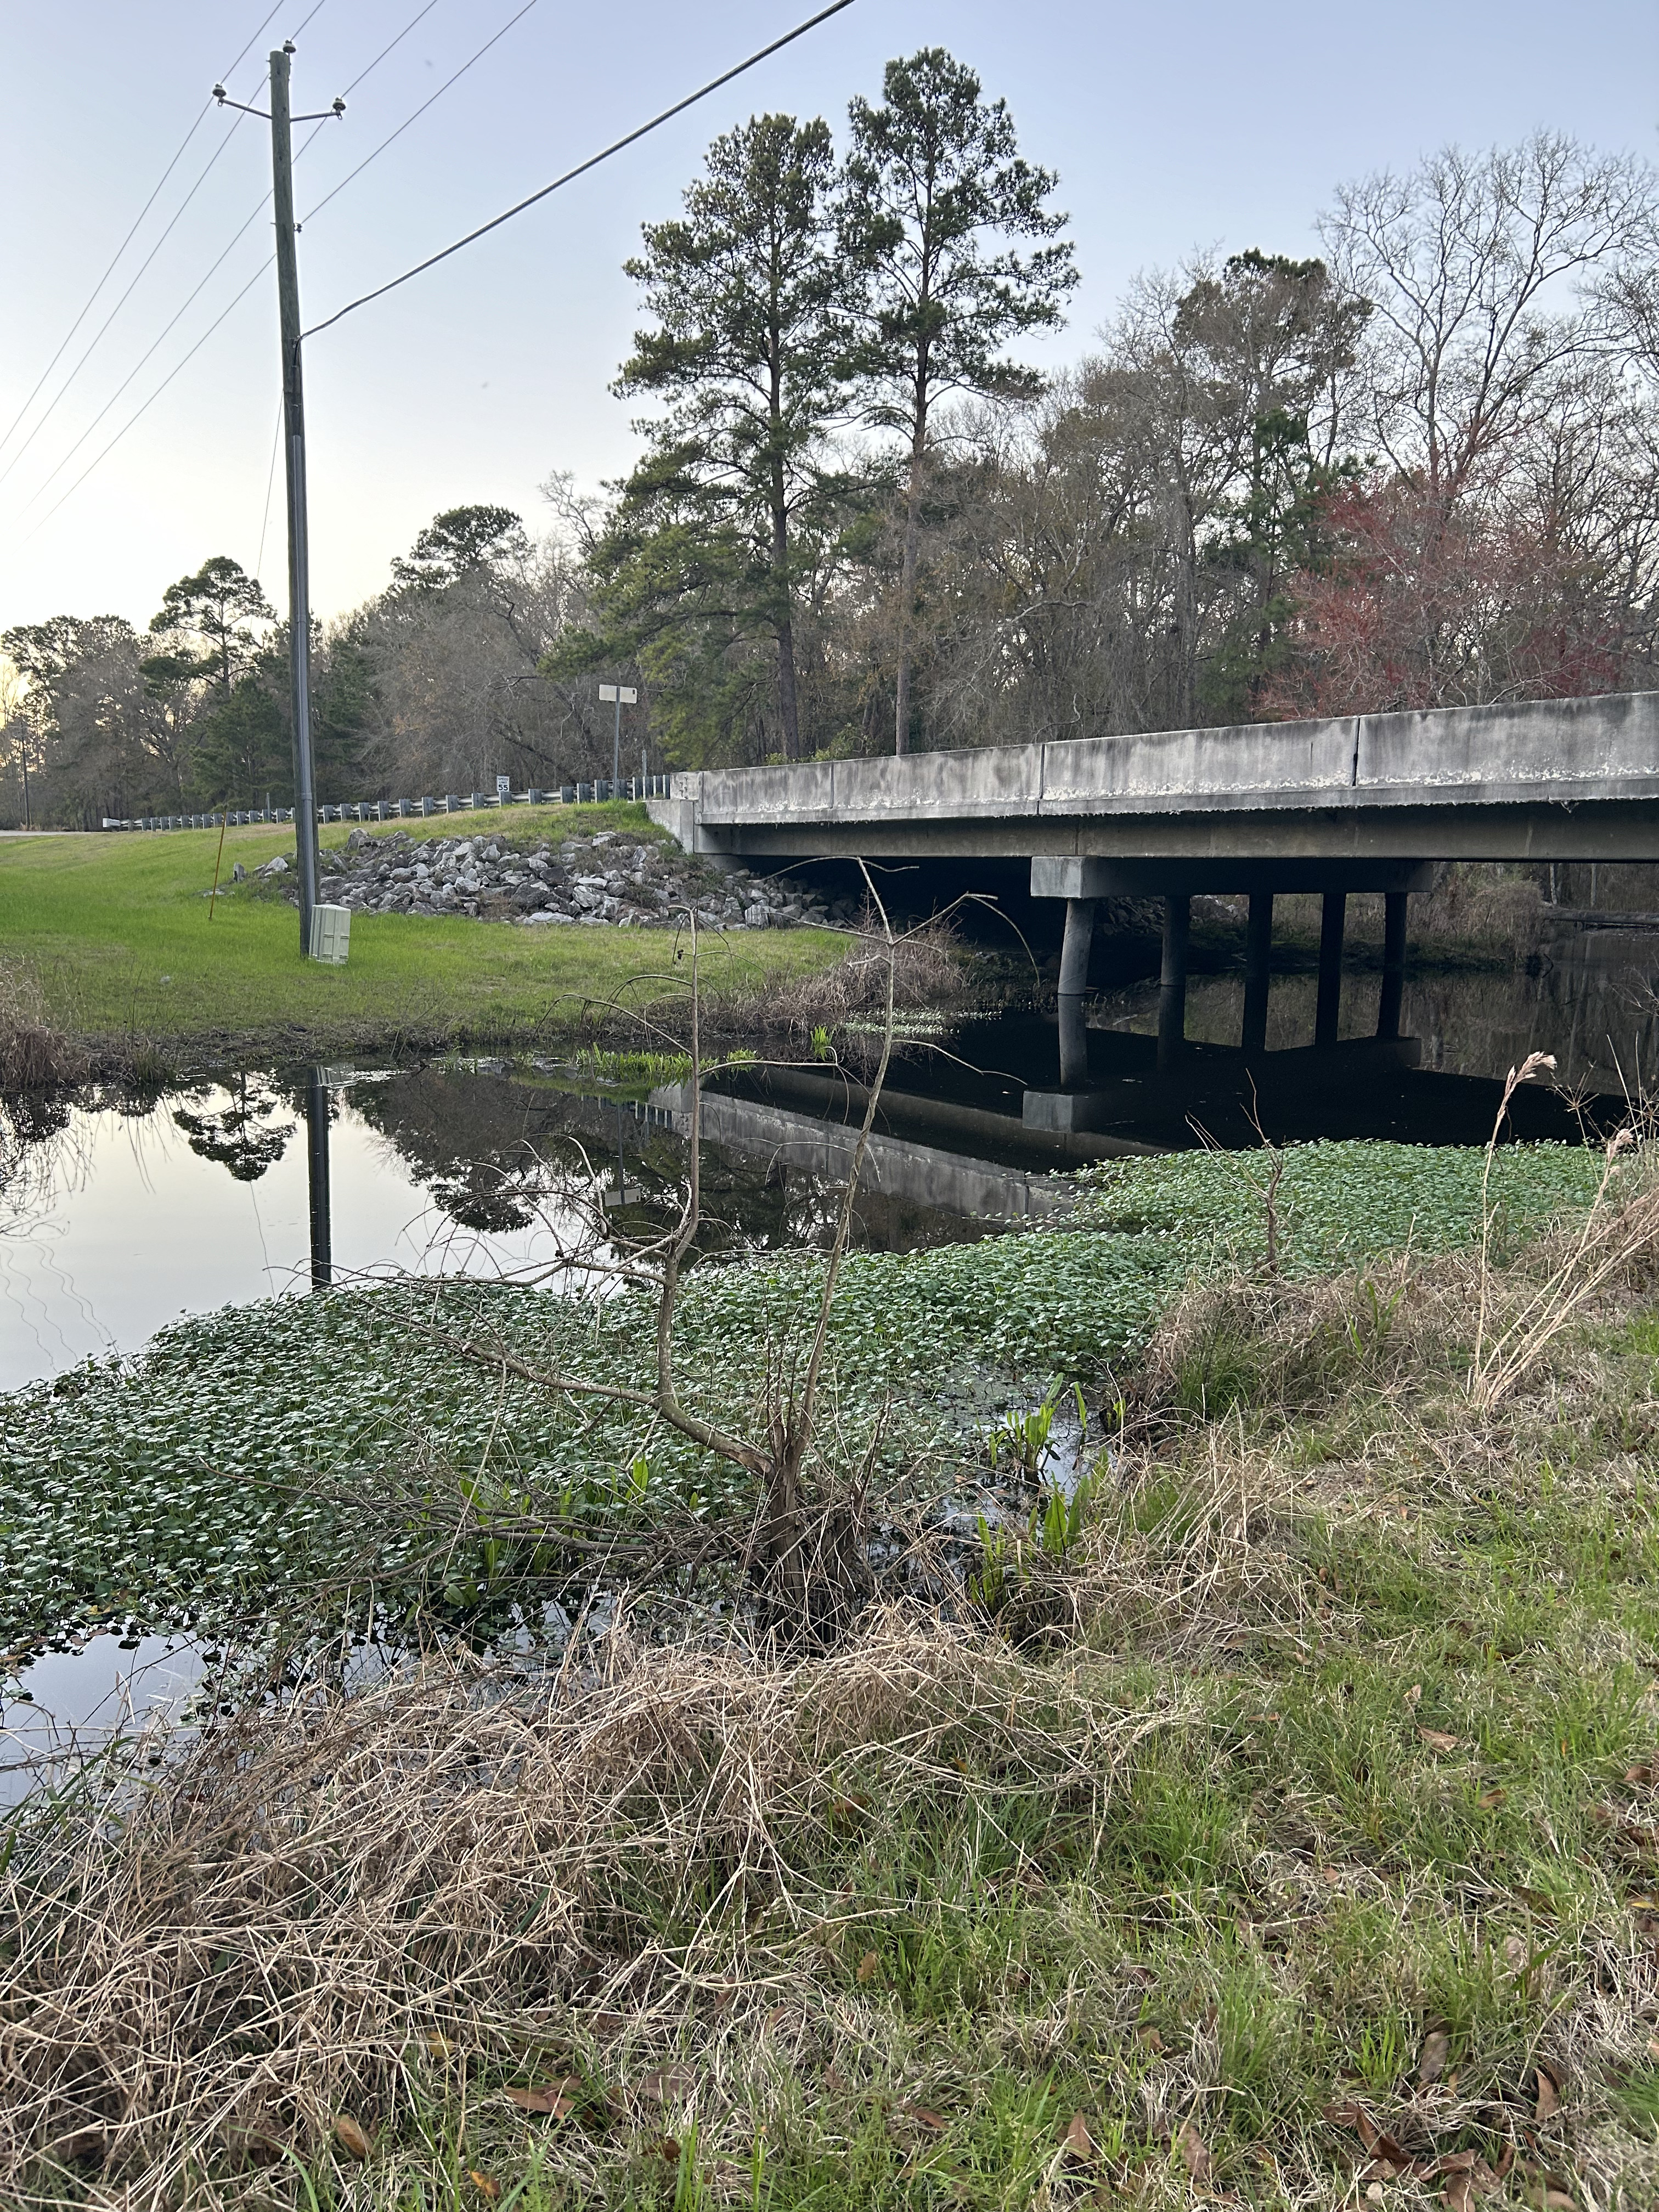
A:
(224, 1469)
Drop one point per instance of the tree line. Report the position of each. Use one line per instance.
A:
(1419, 470)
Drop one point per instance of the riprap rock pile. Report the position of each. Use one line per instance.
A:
(611, 876)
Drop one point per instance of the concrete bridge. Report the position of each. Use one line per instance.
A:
(1359, 803)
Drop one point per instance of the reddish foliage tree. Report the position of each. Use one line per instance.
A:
(1422, 603)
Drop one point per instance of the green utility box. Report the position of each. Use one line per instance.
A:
(331, 934)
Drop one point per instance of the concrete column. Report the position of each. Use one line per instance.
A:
(1258, 955)
(1074, 952)
(1329, 1004)
(1073, 1045)
(1077, 946)
(1172, 981)
(1394, 964)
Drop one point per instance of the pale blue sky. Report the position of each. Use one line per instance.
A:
(1205, 124)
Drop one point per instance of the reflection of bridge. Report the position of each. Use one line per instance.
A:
(1366, 803)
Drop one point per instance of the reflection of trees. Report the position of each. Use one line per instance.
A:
(242, 1135)
(494, 1148)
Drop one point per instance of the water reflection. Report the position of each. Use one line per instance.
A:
(120, 1210)
(242, 1134)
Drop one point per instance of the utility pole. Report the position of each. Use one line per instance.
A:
(294, 442)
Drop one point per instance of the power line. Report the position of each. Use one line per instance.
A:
(424, 105)
(213, 326)
(271, 479)
(155, 342)
(581, 169)
(115, 258)
(385, 50)
(593, 161)
(154, 397)
(62, 388)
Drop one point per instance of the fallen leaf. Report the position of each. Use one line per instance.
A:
(1653, 2046)
(1431, 2060)
(1438, 1740)
(1489, 1799)
(1194, 2151)
(485, 2184)
(350, 2134)
(1370, 2134)
(438, 2046)
(1149, 2039)
(1549, 2095)
(1458, 2194)
(1505, 2160)
(1345, 2115)
(666, 2146)
(1556, 2200)
(923, 2118)
(868, 1966)
(1456, 2161)
(668, 2084)
(1645, 1776)
(1077, 2143)
(1375, 2192)
(557, 2100)
(1414, 1695)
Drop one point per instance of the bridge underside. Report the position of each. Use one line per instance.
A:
(1346, 805)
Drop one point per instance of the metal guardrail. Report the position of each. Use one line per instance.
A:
(405, 809)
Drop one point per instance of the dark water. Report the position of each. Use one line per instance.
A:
(118, 1213)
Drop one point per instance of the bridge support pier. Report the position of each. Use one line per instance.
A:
(1075, 948)
(1258, 957)
(1328, 1007)
(1077, 945)
(1172, 978)
(1394, 964)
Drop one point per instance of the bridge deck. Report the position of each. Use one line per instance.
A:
(1561, 779)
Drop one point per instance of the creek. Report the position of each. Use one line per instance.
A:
(119, 1212)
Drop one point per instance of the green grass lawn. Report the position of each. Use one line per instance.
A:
(116, 932)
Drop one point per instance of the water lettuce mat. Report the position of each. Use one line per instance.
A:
(223, 1473)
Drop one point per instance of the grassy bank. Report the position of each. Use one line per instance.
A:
(115, 932)
(1289, 1836)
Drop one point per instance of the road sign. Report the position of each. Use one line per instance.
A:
(620, 696)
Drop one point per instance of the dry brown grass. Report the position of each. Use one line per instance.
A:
(33, 1055)
(318, 1905)
(928, 971)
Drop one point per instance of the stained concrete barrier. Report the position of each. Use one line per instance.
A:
(1550, 779)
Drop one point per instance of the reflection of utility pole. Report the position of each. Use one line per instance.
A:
(624, 695)
(322, 1229)
(299, 557)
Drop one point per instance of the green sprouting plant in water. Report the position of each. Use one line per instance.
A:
(1024, 1433)
(823, 1044)
(987, 1584)
(1061, 1515)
